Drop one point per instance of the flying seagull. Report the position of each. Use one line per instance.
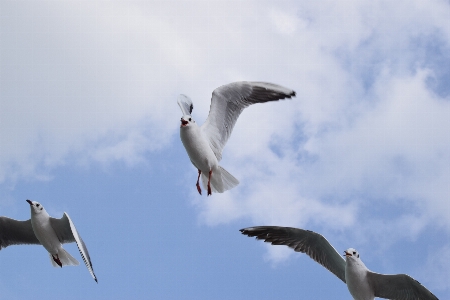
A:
(49, 232)
(362, 283)
(204, 144)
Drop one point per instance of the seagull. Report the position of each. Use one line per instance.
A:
(362, 283)
(204, 144)
(49, 232)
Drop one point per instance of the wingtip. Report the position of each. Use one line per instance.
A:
(247, 231)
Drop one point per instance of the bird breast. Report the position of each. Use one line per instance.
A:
(357, 284)
(45, 234)
(198, 148)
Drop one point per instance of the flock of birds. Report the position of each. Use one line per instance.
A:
(204, 145)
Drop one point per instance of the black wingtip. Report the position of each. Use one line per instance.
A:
(191, 108)
(293, 94)
(96, 280)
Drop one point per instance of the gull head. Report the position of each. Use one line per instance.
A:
(186, 121)
(36, 207)
(351, 253)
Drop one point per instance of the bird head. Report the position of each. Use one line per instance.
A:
(186, 121)
(36, 207)
(351, 253)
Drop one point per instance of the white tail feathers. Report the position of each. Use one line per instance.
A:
(229, 181)
(65, 258)
(221, 180)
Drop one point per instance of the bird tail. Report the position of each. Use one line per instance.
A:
(221, 180)
(65, 258)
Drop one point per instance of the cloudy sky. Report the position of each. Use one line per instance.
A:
(89, 125)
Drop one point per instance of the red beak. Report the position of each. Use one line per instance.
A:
(183, 122)
(347, 254)
(29, 202)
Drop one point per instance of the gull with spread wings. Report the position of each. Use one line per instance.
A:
(49, 232)
(204, 144)
(362, 283)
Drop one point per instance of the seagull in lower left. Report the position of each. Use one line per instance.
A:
(49, 232)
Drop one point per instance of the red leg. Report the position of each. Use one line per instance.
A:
(198, 184)
(209, 183)
(57, 260)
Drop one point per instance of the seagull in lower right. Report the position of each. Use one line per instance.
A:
(362, 283)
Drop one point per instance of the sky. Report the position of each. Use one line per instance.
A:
(89, 125)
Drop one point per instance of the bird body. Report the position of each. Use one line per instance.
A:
(197, 148)
(42, 228)
(204, 144)
(362, 283)
(214, 177)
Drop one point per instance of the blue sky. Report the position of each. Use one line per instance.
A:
(89, 125)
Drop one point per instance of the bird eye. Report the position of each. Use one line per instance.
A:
(358, 255)
(37, 205)
(190, 119)
(354, 252)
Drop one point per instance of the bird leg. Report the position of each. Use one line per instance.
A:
(209, 183)
(198, 184)
(57, 260)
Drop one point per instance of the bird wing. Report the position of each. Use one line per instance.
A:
(305, 241)
(227, 103)
(185, 103)
(67, 233)
(399, 287)
(13, 232)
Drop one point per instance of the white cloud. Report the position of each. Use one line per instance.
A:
(365, 142)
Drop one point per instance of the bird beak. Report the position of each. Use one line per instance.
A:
(29, 202)
(183, 122)
(347, 254)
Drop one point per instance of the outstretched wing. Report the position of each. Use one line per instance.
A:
(305, 241)
(185, 103)
(67, 233)
(227, 103)
(398, 287)
(13, 232)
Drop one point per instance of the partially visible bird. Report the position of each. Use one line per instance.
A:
(362, 283)
(49, 232)
(204, 144)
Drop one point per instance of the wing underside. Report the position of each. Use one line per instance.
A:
(67, 233)
(399, 286)
(13, 232)
(305, 241)
(227, 103)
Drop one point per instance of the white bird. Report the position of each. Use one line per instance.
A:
(49, 232)
(362, 283)
(204, 144)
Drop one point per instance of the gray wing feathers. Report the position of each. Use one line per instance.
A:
(13, 232)
(62, 229)
(227, 103)
(185, 104)
(305, 241)
(67, 233)
(398, 287)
